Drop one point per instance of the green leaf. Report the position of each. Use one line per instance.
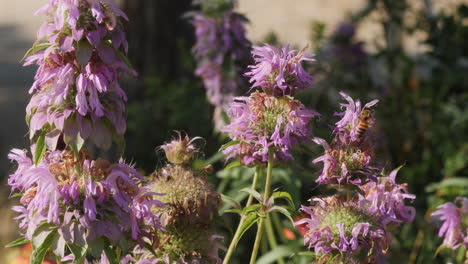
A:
(287, 197)
(58, 247)
(18, 242)
(41, 233)
(78, 251)
(40, 148)
(35, 49)
(250, 220)
(124, 58)
(234, 210)
(230, 143)
(96, 247)
(254, 193)
(40, 251)
(232, 165)
(230, 201)
(251, 209)
(111, 256)
(306, 253)
(283, 211)
(276, 253)
(16, 195)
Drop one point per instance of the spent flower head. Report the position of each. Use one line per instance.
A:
(192, 204)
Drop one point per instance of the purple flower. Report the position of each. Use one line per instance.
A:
(335, 227)
(387, 199)
(261, 122)
(454, 227)
(279, 72)
(76, 84)
(349, 159)
(221, 50)
(347, 129)
(345, 165)
(99, 199)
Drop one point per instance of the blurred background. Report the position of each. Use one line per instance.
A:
(410, 54)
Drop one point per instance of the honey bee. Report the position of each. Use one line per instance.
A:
(364, 121)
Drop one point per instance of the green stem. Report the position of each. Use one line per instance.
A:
(266, 195)
(258, 238)
(271, 237)
(236, 237)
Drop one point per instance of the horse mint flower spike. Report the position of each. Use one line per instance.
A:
(76, 92)
(221, 51)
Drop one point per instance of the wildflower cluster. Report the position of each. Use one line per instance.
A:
(269, 120)
(77, 207)
(454, 228)
(192, 203)
(353, 225)
(80, 53)
(349, 158)
(80, 198)
(221, 51)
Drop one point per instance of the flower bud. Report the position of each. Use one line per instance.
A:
(180, 150)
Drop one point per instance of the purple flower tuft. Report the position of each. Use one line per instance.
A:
(454, 228)
(260, 122)
(85, 200)
(279, 72)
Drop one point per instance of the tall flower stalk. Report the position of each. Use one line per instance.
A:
(78, 207)
(222, 52)
(353, 225)
(264, 128)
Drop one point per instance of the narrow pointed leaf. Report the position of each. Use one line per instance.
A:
(230, 143)
(286, 196)
(40, 251)
(283, 211)
(40, 148)
(232, 202)
(254, 193)
(232, 165)
(35, 49)
(251, 209)
(78, 251)
(18, 242)
(250, 220)
(234, 210)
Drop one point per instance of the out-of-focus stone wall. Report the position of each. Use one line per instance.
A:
(291, 19)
